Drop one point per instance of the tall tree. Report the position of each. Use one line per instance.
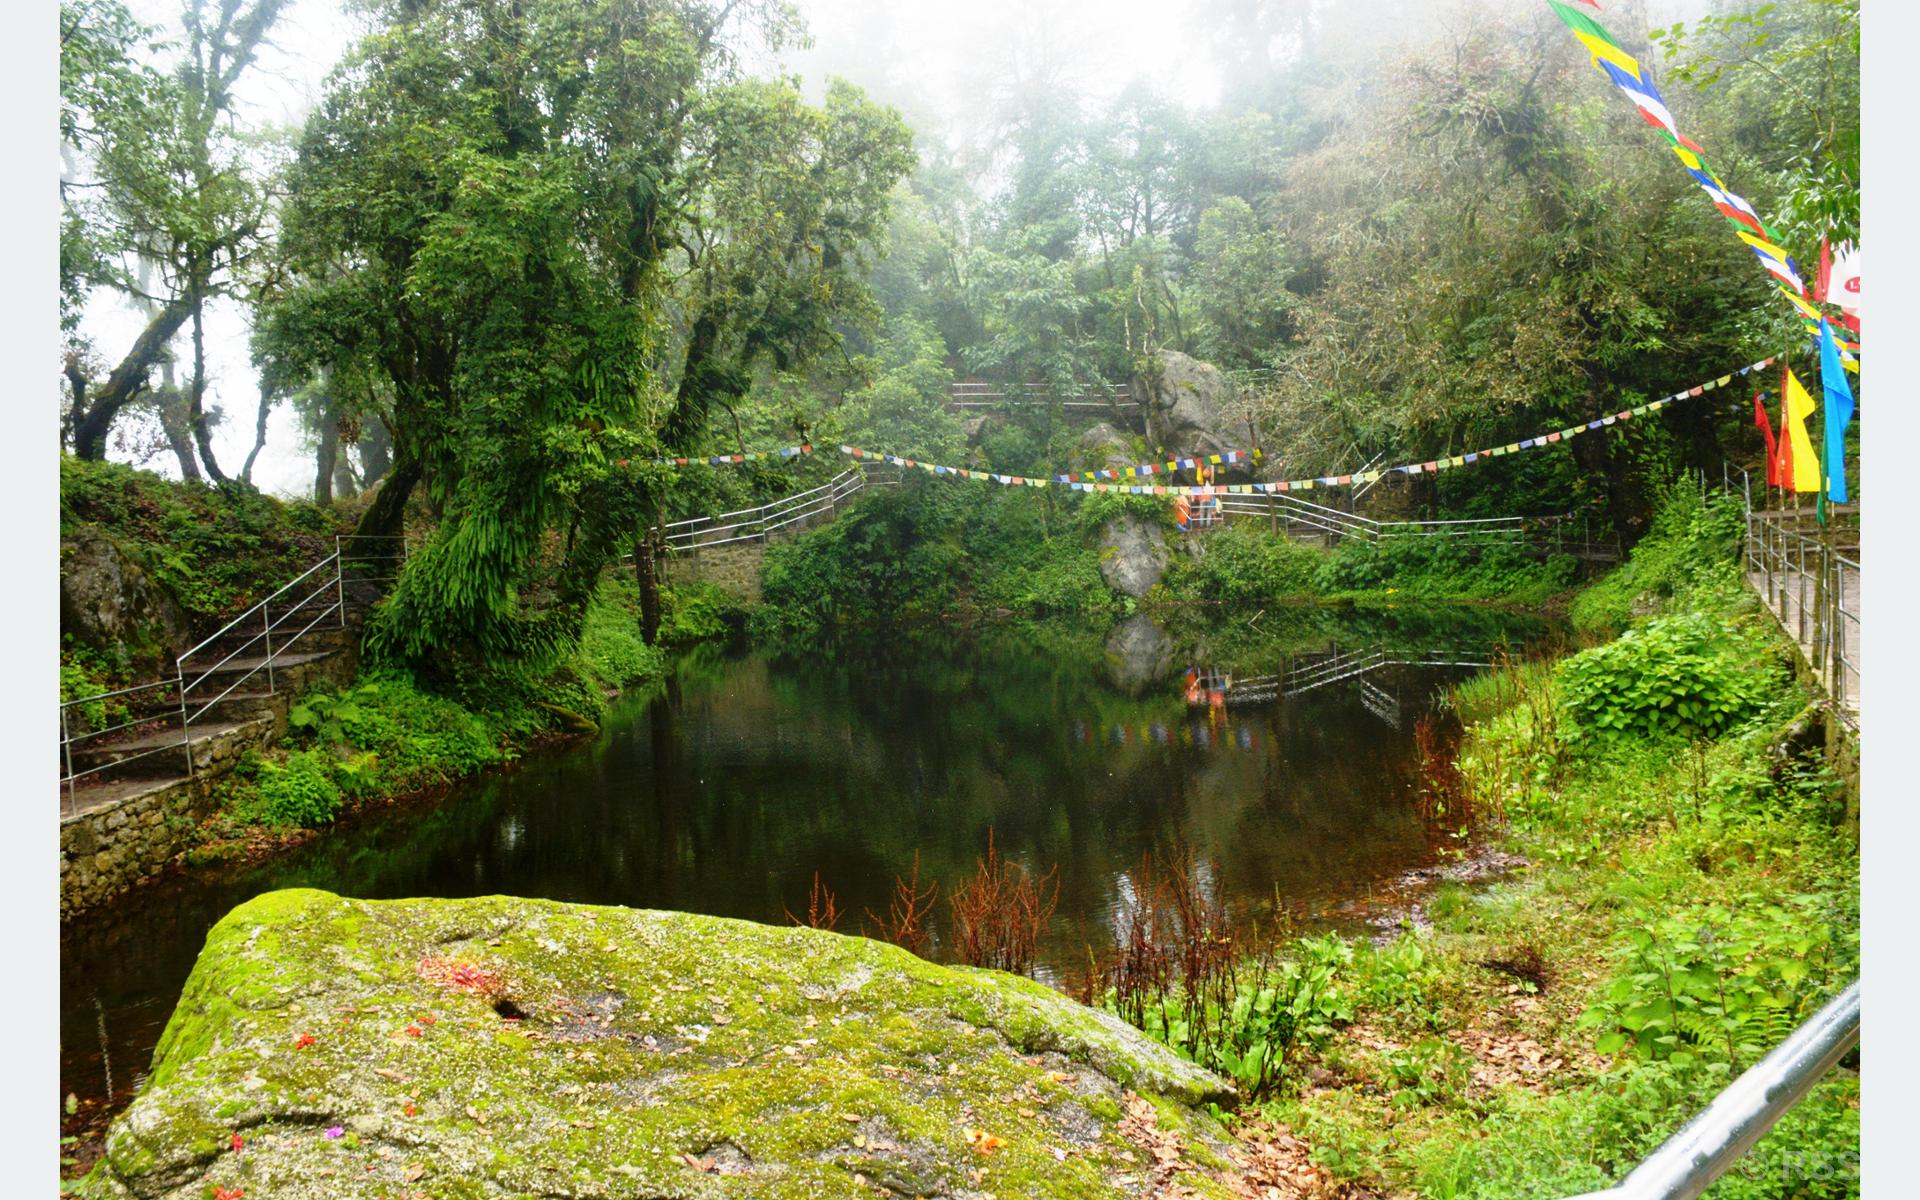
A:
(159, 179)
(553, 230)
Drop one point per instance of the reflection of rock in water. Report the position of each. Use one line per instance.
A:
(1139, 654)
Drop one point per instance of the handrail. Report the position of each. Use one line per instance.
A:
(187, 709)
(1689, 1161)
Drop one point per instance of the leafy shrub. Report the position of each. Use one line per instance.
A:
(611, 650)
(1723, 984)
(698, 612)
(1280, 1004)
(1679, 675)
(1693, 539)
(214, 549)
(85, 673)
(1444, 567)
(299, 792)
(1245, 563)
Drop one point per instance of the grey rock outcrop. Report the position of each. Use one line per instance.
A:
(1133, 555)
(1184, 406)
(107, 599)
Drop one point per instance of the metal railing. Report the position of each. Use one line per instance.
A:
(759, 524)
(975, 395)
(162, 720)
(1809, 576)
(1689, 1161)
(1288, 513)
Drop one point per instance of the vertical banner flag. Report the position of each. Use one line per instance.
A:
(1766, 431)
(1833, 378)
(1800, 471)
(1626, 74)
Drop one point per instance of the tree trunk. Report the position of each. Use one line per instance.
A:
(376, 454)
(90, 430)
(173, 422)
(346, 484)
(1595, 453)
(644, 559)
(259, 433)
(386, 516)
(196, 415)
(324, 458)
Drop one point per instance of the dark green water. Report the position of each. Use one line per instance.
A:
(726, 789)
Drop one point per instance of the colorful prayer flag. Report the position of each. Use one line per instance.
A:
(1766, 431)
(1800, 466)
(1833, 378)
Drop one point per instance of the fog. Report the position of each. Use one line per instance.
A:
(951, 68)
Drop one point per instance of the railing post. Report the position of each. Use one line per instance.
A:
(66, 753)
(186, 733)
(1818, 648)
(266, 633)
(339, 582)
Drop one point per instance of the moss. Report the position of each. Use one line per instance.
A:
(790, 1061)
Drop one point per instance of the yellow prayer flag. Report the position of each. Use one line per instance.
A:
(1801, 469)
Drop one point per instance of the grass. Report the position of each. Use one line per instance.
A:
(389, 735)
(1690, 895)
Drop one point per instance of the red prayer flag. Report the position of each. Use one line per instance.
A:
(1825, 273)
(1766, 431)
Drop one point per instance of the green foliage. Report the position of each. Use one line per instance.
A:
(546, 315)
(215, 550)
(1294, 1001)
(698, 611)
(611, 650)
(1680, 675)
(1245, 563)
(300, 792)
(86, 673)
(1724, 983)
(1692, 541)
(1441, 567)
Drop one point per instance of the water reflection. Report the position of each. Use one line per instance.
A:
(746, 773)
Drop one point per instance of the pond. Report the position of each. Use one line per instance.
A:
(1275, 747)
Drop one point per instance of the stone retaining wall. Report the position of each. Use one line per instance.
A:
(107, 852)
(735, 568)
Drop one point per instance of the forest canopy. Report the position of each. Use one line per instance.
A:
(517, 250)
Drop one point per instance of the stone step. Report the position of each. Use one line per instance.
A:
(214, 669)
(157, 752)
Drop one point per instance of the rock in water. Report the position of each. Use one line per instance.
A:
(1133, 554)
(1184, 407)
(498, 1047)
(1139, 654)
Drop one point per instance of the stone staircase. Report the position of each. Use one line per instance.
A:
(232, 693)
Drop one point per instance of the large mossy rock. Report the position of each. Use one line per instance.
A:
(498, 1047)
(1184, 402)
(108, 601)
(1133, 554)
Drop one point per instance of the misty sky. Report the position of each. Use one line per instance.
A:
(943, 64)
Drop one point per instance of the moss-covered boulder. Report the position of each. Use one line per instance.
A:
(498, 1047)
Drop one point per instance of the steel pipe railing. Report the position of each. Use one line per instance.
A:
(1689, 1161)
(324, 596)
